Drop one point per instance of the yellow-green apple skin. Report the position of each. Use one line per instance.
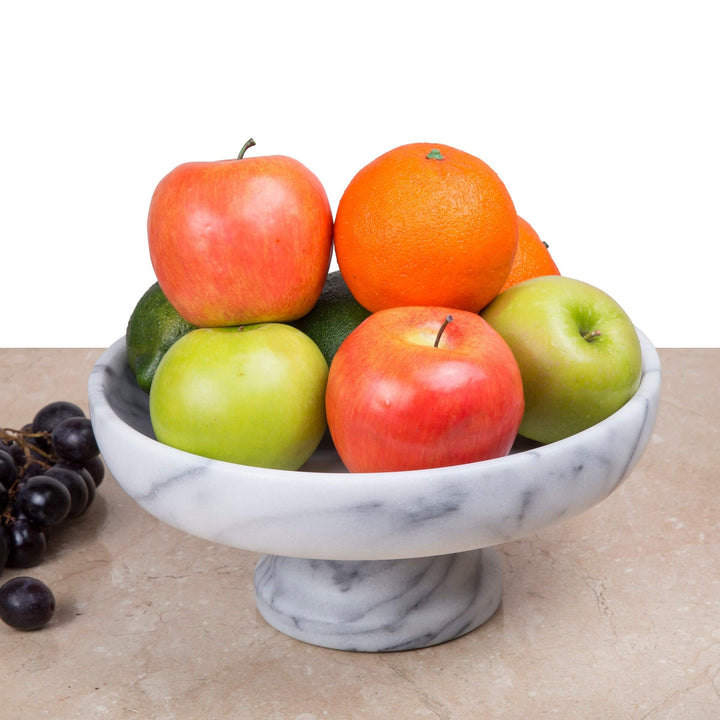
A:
(577, 349)
(253, 395)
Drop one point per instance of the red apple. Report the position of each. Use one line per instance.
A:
(399, 398)
(242, 241)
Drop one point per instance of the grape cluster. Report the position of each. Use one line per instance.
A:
(50, 470)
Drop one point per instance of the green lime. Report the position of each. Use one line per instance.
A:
(153, 327)
(335, 315)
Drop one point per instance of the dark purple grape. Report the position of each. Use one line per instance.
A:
(4, 499)
(49, 472)
(91, 488)
(38, 441)
(26, 603)
(53, 414)
(96, 467)
(8, 469)
(32, 469)
(15, 451)
(26, 544)
(85, 475)
(74, 440)
(36, 452)
(16, 512)
(76, 486)
(45, 500)
(4, 548)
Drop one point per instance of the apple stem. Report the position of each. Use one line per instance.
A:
(590, 336)
(245, 147)
(447, 320)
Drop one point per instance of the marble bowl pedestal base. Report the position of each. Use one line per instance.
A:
(365, 599)
(379, 605)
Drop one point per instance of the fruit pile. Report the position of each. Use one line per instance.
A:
(49, 472)
(446, 332)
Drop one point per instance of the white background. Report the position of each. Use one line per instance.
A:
(601, 118)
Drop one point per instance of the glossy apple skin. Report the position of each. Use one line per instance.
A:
(240, 241)
(570, 383)
(396, 402)
(254, 396)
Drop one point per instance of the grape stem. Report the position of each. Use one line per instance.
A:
(33, 454)
(19, 437)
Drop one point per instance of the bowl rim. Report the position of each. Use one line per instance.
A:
(648, 387)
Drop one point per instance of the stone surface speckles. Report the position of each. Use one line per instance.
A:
(608, 614)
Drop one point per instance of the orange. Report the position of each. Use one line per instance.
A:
(532, 258)
(425, 224)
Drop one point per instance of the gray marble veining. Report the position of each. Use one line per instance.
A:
(379, 605)
(325, 513)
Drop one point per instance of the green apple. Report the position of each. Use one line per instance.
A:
(578, 352)
(253, 395)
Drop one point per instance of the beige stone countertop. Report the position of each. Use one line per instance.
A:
(612, 614)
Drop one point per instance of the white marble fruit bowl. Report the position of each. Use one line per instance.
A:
(381, 557)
